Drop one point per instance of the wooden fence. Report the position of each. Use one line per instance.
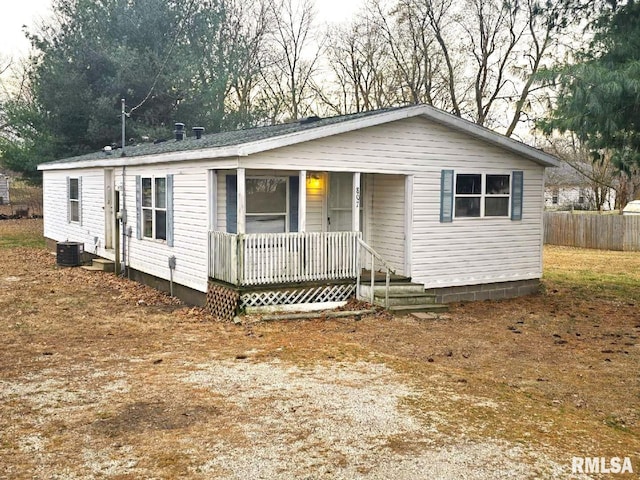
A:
(603, 232)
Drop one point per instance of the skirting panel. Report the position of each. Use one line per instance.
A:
(222, 302)
(293, 296)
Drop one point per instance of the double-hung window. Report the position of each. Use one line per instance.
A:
(482, 195)
(267, 204)
(154, 208)
(74, 200)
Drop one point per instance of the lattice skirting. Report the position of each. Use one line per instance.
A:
(293, 296)
(222, 302)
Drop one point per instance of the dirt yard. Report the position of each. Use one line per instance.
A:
(104, 378)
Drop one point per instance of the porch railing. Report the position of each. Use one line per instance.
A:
(362, 252)
(271, 258)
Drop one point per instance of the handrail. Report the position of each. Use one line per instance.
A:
(374, 255)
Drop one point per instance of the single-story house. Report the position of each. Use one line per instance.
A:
(237, 216)
(568, 188)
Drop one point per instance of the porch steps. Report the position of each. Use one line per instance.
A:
(100, 265)
(404, 298)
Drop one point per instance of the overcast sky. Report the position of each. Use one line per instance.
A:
(28, 12)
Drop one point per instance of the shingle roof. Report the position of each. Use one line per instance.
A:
(253, 140)
(225, 139)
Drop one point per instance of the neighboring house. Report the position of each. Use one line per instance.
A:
(450, 204)
(566, 188)
(4, 190)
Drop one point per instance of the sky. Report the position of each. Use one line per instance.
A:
(29, 12)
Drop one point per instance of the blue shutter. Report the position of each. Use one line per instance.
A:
(294, 193)
(446, 196)
(80, 200)
(232, 203)
(68, 200)
(170, 210)
(138, 207)
(516, 195)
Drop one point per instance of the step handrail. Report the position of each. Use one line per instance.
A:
(374, 256)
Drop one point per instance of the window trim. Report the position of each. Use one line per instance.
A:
(153, 208)
(286, 214)
(483, 195)
(77, 200)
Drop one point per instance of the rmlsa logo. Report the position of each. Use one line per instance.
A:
(601, 465)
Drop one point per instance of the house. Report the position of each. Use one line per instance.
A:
(4, 190)
(569, 187)
(289, 214)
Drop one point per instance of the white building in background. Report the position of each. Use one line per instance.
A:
(566, 188)
(4, 190)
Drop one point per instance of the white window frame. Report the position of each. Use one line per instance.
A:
(71, 201)
(286, 213)
(153, 208)
(483, 195)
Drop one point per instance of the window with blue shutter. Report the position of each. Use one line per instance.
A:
(170, 210)
(446, 196)
(294, 193)
(232, 203)
(517, 195)
(138, 207)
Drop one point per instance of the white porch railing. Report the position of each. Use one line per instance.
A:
(272, 258)
(367, 250)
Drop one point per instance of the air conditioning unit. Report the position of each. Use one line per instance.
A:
(69, 254)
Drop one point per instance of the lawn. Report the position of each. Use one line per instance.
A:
(105, 378)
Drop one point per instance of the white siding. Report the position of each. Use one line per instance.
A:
(55, 207)
(387, 219)
(467, 251)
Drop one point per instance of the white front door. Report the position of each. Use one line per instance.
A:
(340, 202)
(109, 209)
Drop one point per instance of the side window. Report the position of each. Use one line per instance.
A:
(482, 195)
(154, 208)
(74, 191)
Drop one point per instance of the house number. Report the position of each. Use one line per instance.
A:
(358, 197)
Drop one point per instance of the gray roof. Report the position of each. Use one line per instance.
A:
(253, 140)
(225, 139)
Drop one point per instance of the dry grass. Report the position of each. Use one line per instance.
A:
(104, 378)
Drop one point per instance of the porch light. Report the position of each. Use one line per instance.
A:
(314, 182)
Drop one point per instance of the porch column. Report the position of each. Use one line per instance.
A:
(302, 202)
(242, 201)
(355, 223)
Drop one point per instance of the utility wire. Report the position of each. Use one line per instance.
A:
(166, 59)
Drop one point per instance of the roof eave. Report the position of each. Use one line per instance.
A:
(184, 155)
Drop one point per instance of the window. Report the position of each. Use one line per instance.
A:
(266, 205)
(73, 193)
(554, 196)
(154, 208)
(482, 195)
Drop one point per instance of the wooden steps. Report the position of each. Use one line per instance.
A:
(404, 297)
(101, 265)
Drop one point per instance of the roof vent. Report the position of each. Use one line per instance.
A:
(311, 119)
(198, 131)
(179, 131)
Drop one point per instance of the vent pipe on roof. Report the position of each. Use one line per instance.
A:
(179, 131)
(197, 131)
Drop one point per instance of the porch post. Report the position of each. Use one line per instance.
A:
(241, 203)
(356, 199)
(302, 202)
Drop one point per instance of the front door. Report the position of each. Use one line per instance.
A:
(109, 209)
(340, 202)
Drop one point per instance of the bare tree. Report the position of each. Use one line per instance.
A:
(287, 79)
(358, 58)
